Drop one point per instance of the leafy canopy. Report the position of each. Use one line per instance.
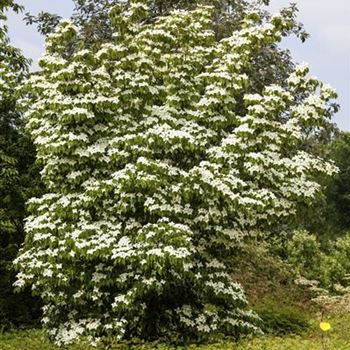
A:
(19, 178)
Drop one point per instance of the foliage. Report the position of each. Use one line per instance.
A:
(269, 281)
(264, 275)
(307, 258)
(326, 301)
(312, 277)
(5, 5)
(327, 263)
(341, 251)
(283, 321)
(338, 191)
(9, 54)
(154, 175)
(46, 22)
(19, 180)
(329, 217)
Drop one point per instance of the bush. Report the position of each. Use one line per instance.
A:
(327, 263)
(341, 253)
(282, 321)
(262, 273)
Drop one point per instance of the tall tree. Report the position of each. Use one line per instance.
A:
(158, 160)
(338, 191)
(19, 177)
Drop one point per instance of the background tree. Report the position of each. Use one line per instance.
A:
(338, 191)
(19, 179)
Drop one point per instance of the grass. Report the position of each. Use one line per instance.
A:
(337, 339)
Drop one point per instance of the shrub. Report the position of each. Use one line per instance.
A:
(281, 321)
(327, 263)
(305, 255)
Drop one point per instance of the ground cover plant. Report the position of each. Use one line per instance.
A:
(337, 339)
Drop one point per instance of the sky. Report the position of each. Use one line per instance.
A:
(327, 51)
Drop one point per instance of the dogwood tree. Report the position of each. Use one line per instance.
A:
(153, 176)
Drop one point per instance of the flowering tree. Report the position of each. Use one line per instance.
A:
(153, 176)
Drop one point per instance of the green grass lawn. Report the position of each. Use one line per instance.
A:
(338, 339)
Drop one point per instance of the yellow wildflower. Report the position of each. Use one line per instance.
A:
(325, 326)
